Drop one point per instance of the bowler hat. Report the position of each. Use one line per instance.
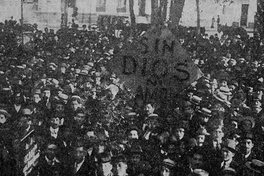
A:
(248, 136)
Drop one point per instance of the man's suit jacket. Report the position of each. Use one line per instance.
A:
(44, 168)
(86, 169)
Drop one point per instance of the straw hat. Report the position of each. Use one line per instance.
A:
(256, 165)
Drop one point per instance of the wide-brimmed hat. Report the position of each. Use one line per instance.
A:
(5, 113)
(169, 163)
(256, 165)
(247, 118)
(228, 170)
(230, 145)
(202, 131)
(195, 100)
(26, 112)
(200, 172)
(248, 136)
(205, 112)
(84, 72)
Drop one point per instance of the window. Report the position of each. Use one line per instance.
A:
(142, 7)
(224, 9)
(121, 6)
(100, 5)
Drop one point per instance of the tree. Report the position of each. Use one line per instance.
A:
(163, 9)
(132, 17)
(155, 14)
(198, 16)
(64, 14)
(176, 10)
(259, 19)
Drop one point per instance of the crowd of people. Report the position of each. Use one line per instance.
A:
(86, 123)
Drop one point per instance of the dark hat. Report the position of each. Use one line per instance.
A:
(120, 158)
(248, 118)
(47, 88)
(132, 127)
(230, 145)
(182, 124)
(248, 136)
(37, 91)
(233, 82)
(186, 104)
(256, 165)
(135, 149)
(104, 157)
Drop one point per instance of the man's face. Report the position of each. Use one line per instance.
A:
(196, 161)
(46, 93)
(200, 139)
(120, 168)
(2, 118)
(149, 109)
(179, 133)
(59, 107)
(63, 70)
(204, 119)
(188, 110)
(165, 171)
(246, 125)
(24, 123)
(51, 151)
(133, 134)
(55, 122)
(135, 158)
(223, 83)
(79, 154)
(79, 118)
(18, 99)
(105, 168)
(218, 134)
(36, 98)
(247, 146)
(75, 105)
(227, 154)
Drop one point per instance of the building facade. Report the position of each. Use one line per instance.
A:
(53, 13)
(230, 12)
